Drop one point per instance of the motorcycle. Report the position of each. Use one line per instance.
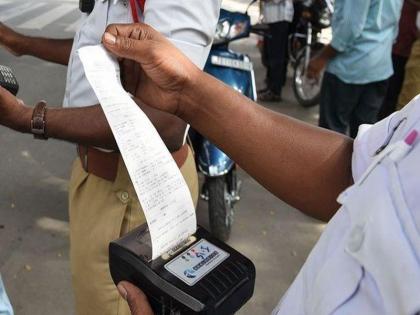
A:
(304, 43)
(221, 187)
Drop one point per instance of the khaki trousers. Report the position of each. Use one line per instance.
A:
(101, 211)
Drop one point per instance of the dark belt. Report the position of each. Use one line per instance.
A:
(105, 164)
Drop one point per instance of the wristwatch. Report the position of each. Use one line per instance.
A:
(38, 121)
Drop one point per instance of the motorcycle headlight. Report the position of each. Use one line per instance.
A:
(225, 31)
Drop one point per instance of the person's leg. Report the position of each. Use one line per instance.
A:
(5, 306)
(370, 102)
(277, 56)
(264, 59)
(96, 209)
(394, 88)
(102, 211)
(338, 99)
(284, 53)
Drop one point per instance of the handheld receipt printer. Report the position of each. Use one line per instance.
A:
(200, 276)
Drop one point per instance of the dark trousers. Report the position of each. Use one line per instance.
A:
(276, 56)
(346, 106)
(394, 87)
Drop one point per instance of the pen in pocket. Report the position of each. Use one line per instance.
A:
(403, 147)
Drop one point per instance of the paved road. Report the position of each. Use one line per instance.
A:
(33, 186)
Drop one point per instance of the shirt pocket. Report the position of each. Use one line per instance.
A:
(335, 284)
(93, 27)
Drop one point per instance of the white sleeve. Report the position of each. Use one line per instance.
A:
(189, 24)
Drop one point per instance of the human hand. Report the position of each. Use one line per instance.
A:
(136, 299)
(164, 71)
(9, 39)
(13, 112)
(315, 67)
(130, 76)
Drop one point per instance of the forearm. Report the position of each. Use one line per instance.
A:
(53, 50)
(82, 125)
(88, 126)
(303, 165)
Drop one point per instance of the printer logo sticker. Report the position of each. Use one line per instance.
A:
(189, 273)
(197, 261)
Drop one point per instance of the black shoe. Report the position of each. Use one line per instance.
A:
(269, 96)
(262, 90)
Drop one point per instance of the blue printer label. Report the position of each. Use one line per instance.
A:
(197, 261)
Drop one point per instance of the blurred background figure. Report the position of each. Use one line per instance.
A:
(278, 14)
(411, 84)
(407, 35)
(358, 63)
(5, 307)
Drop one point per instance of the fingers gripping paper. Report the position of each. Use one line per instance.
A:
(158, 182)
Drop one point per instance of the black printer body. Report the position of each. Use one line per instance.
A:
(201, 276)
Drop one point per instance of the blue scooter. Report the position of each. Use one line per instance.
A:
(221, 186)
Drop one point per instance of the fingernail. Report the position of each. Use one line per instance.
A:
(110, 39)
(122, 291)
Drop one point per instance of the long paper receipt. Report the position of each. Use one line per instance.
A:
(158, 182)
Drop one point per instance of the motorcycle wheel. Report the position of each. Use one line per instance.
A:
(307, 91)
(220, 208)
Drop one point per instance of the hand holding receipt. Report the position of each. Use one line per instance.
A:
(159, 184)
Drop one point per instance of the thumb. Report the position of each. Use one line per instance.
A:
(124, 47)
(136, 299)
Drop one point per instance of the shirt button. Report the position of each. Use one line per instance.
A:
(356, 239)
(124, 197)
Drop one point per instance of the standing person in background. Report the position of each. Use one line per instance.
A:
(278, 14)
(102, 202)
(407, 34)
(358, 62)
(5, 307)
(411, 84)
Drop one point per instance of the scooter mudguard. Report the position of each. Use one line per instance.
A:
(212, 161)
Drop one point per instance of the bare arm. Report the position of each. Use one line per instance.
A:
(303, 165)
(54, 50)
(86, 125)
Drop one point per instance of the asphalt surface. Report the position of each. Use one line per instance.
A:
(34, 243)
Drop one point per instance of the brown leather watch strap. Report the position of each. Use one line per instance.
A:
(38, 122)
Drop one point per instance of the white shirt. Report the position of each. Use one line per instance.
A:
(189, 24)
(5, 307)
(277, 10)
(367, 261)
